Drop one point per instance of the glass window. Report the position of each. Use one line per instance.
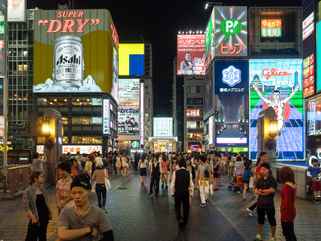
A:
(191, 124)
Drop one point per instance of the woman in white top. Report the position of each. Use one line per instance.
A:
(142, 165)
(124, 165)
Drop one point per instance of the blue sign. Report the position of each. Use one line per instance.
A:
(231, 102)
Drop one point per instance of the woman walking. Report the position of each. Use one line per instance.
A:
(154, 177)
(118, 164)
(164, 171)
(63, 196)
(142, 165)
(99, 179)
(37, 209)
(287, 208)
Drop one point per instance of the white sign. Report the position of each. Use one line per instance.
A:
(82, 149)
(231, 76)
(106, 117)
(308, 26)
(211, 130)
(142, 114)
(163, 127)
(40, 149)
(16, 10)
(2, 126)
(231, 140)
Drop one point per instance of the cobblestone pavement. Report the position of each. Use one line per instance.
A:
(136, 216)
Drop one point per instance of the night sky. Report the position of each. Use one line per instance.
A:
(158, 22)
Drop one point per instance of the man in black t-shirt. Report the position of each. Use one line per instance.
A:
(265, 188)
(181, 185)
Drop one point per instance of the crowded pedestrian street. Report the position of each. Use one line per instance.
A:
(137, 217)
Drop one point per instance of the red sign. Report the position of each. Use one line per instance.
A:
(231, 49)
(268, 73)
(191, 54)
(308, 76)
(69, 21)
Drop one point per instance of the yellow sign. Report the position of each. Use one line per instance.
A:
(5, 148)
(129, 59)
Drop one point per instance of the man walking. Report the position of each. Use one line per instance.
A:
(181, 186)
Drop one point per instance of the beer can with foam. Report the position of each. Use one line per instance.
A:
(68, 60)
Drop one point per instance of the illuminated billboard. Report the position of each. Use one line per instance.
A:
(231, 98)
(308, 26)
(271, 28)
(230, 31)
(277, 83)
(318, 52)
(16, 10)
(314, 117)
(308, 76)
(114, 91)
(209, 39)
(128, 110)
(131, 59)
(106, 117)
(163, 127)
(190, 54)
(73, 51)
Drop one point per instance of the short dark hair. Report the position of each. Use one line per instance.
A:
(64, 166)
(266, 165)
(33, 176)
(82, 180)
(286, 174)
(182, 163)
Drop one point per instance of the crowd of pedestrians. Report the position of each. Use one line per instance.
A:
(83, 216)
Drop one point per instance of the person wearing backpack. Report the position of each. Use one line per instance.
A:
(203, 180)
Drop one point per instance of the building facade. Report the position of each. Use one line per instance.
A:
(194, 95)
(20, 78)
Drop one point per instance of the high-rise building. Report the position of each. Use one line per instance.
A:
(20, 77)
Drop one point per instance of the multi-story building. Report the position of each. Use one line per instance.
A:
(135, 65)
(194, 94)
(178, 108)
(20, 77)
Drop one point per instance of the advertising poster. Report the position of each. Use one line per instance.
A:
(277, 83)
(73, 51)
(163, 127)
(190, 54)
(230, 34)
(308, 76)
(16, 10)
(231, 94)
(106, 117)
(131, 59)
(114, 91)
(128, 110)
(314, 117)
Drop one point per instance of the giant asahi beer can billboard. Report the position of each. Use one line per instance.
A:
(73, 51)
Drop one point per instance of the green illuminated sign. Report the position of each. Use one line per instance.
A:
(230, 27)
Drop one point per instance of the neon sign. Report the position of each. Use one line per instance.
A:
(69, 21)
(271, 28)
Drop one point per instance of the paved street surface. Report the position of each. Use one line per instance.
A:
(137, 217)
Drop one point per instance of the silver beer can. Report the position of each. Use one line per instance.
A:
(68, 60)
